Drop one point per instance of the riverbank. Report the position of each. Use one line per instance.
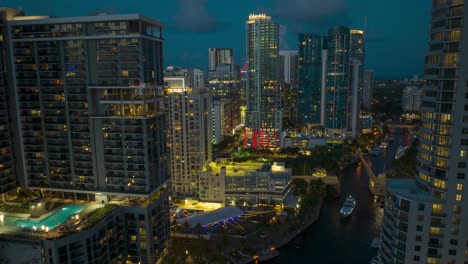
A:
(278, 235)
(257, 246)
(284, 238)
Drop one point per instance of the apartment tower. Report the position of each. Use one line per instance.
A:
(84, 100)
(263, 113)
(425, 218)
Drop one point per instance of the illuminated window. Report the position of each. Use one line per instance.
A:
(458, 197)
(463, 153)
(124, 73)
(435, 231)
(437, 208)
(460, 187)
(133, 238)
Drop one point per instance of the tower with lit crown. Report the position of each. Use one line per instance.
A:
(263, 114)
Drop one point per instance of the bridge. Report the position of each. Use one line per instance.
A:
(393, 127)
(329, 180)
(377, 183)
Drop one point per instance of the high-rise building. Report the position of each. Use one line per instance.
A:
(288, 84)
(425, 219)
(288, 66)
(7, 166)
(225, 113)
(263, 114)
(412, 98)
(190, 135)
(198, 77)
(218, 57)
(311, 61)
(356, 79)
(85, 98)
(338, 95)
(368, 90)
(223, 74)
(195, 77)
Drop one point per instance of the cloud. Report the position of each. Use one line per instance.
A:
(193, 16)
(307, 10)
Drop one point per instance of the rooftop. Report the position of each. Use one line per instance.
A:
(240, 168)
(101, 17)
(407, 188)
(213, 216)
(64, 220)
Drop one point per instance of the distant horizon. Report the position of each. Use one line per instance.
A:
(397, 31)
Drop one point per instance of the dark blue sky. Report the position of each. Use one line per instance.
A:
(396, 39)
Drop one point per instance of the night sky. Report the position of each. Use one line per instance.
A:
(397, 30)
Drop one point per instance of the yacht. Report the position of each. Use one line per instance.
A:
(376, 151)
(348, 206)
(400, 152)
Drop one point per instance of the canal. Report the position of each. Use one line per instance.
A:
(334, 240)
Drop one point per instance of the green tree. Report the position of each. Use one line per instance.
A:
(300, 186)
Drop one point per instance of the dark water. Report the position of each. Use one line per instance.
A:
(334, 240)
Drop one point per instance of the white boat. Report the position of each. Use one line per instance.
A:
(376, 151)
(400, 152)
(348, 206)
(375, 243)
(384, 145)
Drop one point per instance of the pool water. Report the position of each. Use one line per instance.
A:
(53, 220)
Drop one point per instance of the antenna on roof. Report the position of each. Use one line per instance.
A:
(365, 28)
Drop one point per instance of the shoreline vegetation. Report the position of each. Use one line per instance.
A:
(259, 245)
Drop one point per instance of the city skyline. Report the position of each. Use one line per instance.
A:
(220, 24)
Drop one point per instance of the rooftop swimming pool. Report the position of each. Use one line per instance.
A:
(53, 220)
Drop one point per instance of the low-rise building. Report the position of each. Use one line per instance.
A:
(250, 182)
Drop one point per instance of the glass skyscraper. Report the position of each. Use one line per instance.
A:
(337, 95)
(263, 114)
(425, 219)
(310, 78)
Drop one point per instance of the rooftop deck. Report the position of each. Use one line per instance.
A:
(53, 224)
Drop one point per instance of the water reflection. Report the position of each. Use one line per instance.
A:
(334, 240)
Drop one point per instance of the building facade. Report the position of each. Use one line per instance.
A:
(225, 118)
(249, 182)
(337, 94)
(425, 218)
(311, 72)
(412, 98)
(7, 165)
(368, 90)
(356, 80)
(288, 85)
(190, 135)
(86, 114)
(263, 114)
(219, 57)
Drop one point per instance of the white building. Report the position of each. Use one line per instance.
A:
(425, 219)
(190, 135)
(250, 182)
